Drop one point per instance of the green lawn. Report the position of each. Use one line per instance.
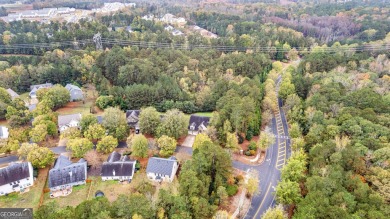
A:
(208, 114)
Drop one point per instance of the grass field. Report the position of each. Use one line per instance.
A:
(208, 114)
(28, 199)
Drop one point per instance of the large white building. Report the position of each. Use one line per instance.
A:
(16, 177)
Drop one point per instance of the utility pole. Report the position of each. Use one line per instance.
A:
(97, 38)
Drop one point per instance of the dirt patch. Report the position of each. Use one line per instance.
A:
(181, 140)
(246, 143)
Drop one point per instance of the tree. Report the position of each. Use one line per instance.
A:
(93, 158)
(25, 149)
(200, 139)
(266, 139)
(149, 120)
(232, 142)
(79, 146)
(38, 133)
(288, 192)
(167, 145)
(4, 96)
(174, 124)
(87, 121)
(127, 206)
(139, 146)
(107, 144)
(223, 197)
(115, 122)
(252, 184)
(95, 132)
(40, 157)
(286, 89)
(104, 102)
(274, 213)
(57, 95)
(70, 133)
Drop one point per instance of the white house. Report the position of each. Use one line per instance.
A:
(162, 169)
(118, 167)
(4, 132)
(16, 178)
(66, 121)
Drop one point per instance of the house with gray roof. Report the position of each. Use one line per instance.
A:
(162, 169)
(35, 88)
(76, 93)
(65, 174)
(4, 132)
(118, 167)
(66, 121)
(16, 177)
(132, 117)
(12, 93)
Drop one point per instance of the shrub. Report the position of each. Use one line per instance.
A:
(252, 145)
(252, 152)
(231, 190)
(247, 153)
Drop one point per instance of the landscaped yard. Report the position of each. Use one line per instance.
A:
(90, 95)
(28, 199)
(78, 195)
(112, 189)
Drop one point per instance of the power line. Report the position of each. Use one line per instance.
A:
(185, 46)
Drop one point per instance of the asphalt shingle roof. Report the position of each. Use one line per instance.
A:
(14, 172)
(160, 165)
(117, 165)
(197, 121)
(65, 172)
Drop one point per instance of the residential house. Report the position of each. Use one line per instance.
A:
(198, 124)
(12, 93)
(118, 167)
(177, 33)
(66, 121)
(162, 169)
(4, 132)
(35, 88)
(132, 117)
(65, 174)
(16, 177)
(75, 92)
(169, 28)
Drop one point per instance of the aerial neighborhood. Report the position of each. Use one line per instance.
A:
(188, 109)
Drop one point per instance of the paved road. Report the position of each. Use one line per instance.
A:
(269, 171)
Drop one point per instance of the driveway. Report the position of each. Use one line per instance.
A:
(189, 141)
